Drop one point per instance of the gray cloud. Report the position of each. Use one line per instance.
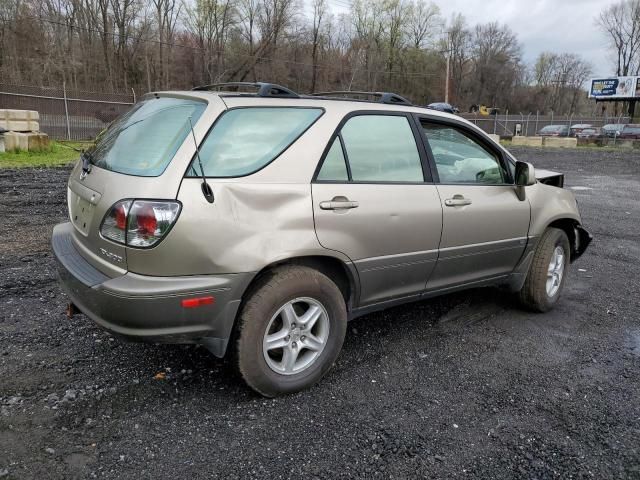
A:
(545, 25)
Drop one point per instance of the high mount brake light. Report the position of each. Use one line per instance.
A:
(139, 223)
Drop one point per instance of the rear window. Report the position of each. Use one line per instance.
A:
(144, 140)
(245, 140)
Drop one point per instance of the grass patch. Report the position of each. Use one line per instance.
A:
(59, 153)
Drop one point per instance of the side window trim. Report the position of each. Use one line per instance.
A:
(345, 155)
(417, 136)
(474, 136)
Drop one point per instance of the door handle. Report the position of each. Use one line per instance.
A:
(457, 201)
(338, 204)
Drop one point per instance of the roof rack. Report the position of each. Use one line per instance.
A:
(264, 89)
(385, 97)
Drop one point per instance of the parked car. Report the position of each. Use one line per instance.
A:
(593, 132)
(443, 107)
(554, 131)
(630, 132)
(277, 217)
(577, 128)
(612, 130)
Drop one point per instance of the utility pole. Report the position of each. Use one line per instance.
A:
(446, 82)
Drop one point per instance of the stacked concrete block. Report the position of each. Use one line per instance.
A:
(38, 141)
(527, 141)
(563, 142)
(16, 141)
(22, 131)
(20, 120)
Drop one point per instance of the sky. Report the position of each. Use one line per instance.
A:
(557, 26)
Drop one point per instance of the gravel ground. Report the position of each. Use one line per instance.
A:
(464, 386)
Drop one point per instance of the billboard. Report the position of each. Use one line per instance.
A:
(615, 88)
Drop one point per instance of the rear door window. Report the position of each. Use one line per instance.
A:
(244, 140)
(144, 140)
(378, 148)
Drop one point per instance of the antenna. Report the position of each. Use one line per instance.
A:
(206, 188)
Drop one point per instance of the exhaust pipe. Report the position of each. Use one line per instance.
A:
(71, 310)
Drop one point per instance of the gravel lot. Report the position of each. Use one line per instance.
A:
(464, 386)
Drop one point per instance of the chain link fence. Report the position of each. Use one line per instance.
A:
(530, 124)
(78, 115)
(67, 114)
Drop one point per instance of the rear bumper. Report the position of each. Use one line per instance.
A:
(145, 308)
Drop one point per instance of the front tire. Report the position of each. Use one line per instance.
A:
(290, 331)
(547, 273)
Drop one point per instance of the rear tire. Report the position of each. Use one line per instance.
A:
(290, 330)
(547, 273)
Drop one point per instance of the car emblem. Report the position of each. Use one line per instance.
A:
(111, 256)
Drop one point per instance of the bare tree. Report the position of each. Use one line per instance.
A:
(458, 47)
(422, 22)
(621, 22)
(167, 14)
(210, 21)
(109, 45)
(560, 79)
(319, 13)
(497, 55)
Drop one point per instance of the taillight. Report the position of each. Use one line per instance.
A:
(114, 225)
(139, 223)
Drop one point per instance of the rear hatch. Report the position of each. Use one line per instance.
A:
(142, 155)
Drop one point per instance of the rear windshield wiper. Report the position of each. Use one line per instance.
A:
(86, 159)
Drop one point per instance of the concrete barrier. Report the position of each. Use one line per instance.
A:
(628, 144)
(22, 130)
(19, 120)
(16, 141)
(562, 142)
(494, 137)
(20, 125)
(32, 141)
(596, 142)
(527, 141)
(37, 141)
(9, 114)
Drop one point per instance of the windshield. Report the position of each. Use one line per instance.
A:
(144, 140)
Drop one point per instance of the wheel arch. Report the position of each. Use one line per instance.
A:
(571, 227)
(343, 274)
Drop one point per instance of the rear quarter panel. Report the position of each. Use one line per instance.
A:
(248, 227)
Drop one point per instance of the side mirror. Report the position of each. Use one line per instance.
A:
(525, 176)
